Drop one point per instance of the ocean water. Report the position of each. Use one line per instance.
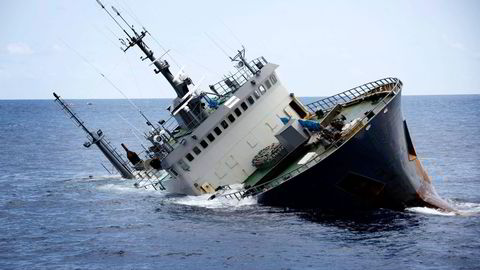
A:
(60, 209)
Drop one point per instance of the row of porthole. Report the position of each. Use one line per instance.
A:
(231, 118)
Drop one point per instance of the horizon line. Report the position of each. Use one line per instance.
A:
(14, 99)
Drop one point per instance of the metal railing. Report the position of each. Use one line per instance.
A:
(232, 82)
(171, 124)
(226, 86)
(152, 177)
(256, 190)
(326, 104)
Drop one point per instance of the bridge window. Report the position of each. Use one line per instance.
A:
(257, 94)
(189, 157)
(231, 118)
(217, 131)
(273, 79)
(237, 112)
(204, 144)
(268, 84)
(298, 109)
(196, 150)
(210, 137)
(250, 100)
(262, 89)
(224, 124)
(244, 106)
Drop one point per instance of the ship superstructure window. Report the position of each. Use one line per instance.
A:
(257, 94)
(210, 137)
(231, 118)
(224, 124)
(189, 157)
(217, 130)
(268, 84)
(299, 110)
(273, 79)
(262, 89)
(196, 150)
(238, 112)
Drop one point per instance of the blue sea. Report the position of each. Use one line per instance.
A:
(60, 209)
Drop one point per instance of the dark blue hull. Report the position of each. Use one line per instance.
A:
(377, 167)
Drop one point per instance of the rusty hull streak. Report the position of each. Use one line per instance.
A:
(427, 192)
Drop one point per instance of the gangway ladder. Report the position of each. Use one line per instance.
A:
(99, 140)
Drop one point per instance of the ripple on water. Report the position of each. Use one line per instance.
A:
(54, 215)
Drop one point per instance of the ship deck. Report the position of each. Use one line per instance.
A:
(355, 109)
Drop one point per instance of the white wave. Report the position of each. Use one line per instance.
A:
(118, 188)
(218, 202)
(203, 201)
(467, 208)
(127, 187)
(463, 209)
(430, 211)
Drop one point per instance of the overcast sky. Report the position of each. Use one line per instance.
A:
(322, 47)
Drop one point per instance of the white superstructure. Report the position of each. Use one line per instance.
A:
(212, 136)
(220, 151)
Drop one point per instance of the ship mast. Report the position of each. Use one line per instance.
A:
(187, 108)
(99, 140)
(134, 38)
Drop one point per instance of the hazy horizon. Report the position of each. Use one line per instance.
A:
(67, 98)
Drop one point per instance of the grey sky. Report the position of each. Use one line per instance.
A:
(322, 47)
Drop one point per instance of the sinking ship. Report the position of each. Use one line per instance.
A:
(248, 136)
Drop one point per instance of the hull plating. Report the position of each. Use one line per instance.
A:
(377, 167)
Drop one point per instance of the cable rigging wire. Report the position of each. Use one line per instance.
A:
(108, 80)
(217, 45)
(132, 15)
(231, 32)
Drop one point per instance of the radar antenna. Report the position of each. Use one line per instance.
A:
(187, 106)
(134, 38)
(241, 61)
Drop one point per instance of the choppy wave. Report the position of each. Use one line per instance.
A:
(218, 202)
(468, 208)
(463, 209)
(199, 200)
(430, 211)
(127, 187)
(203, 201)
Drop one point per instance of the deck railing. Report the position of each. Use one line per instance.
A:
(151, 178)
(226, 86)
(324, 104)
(232, 82)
